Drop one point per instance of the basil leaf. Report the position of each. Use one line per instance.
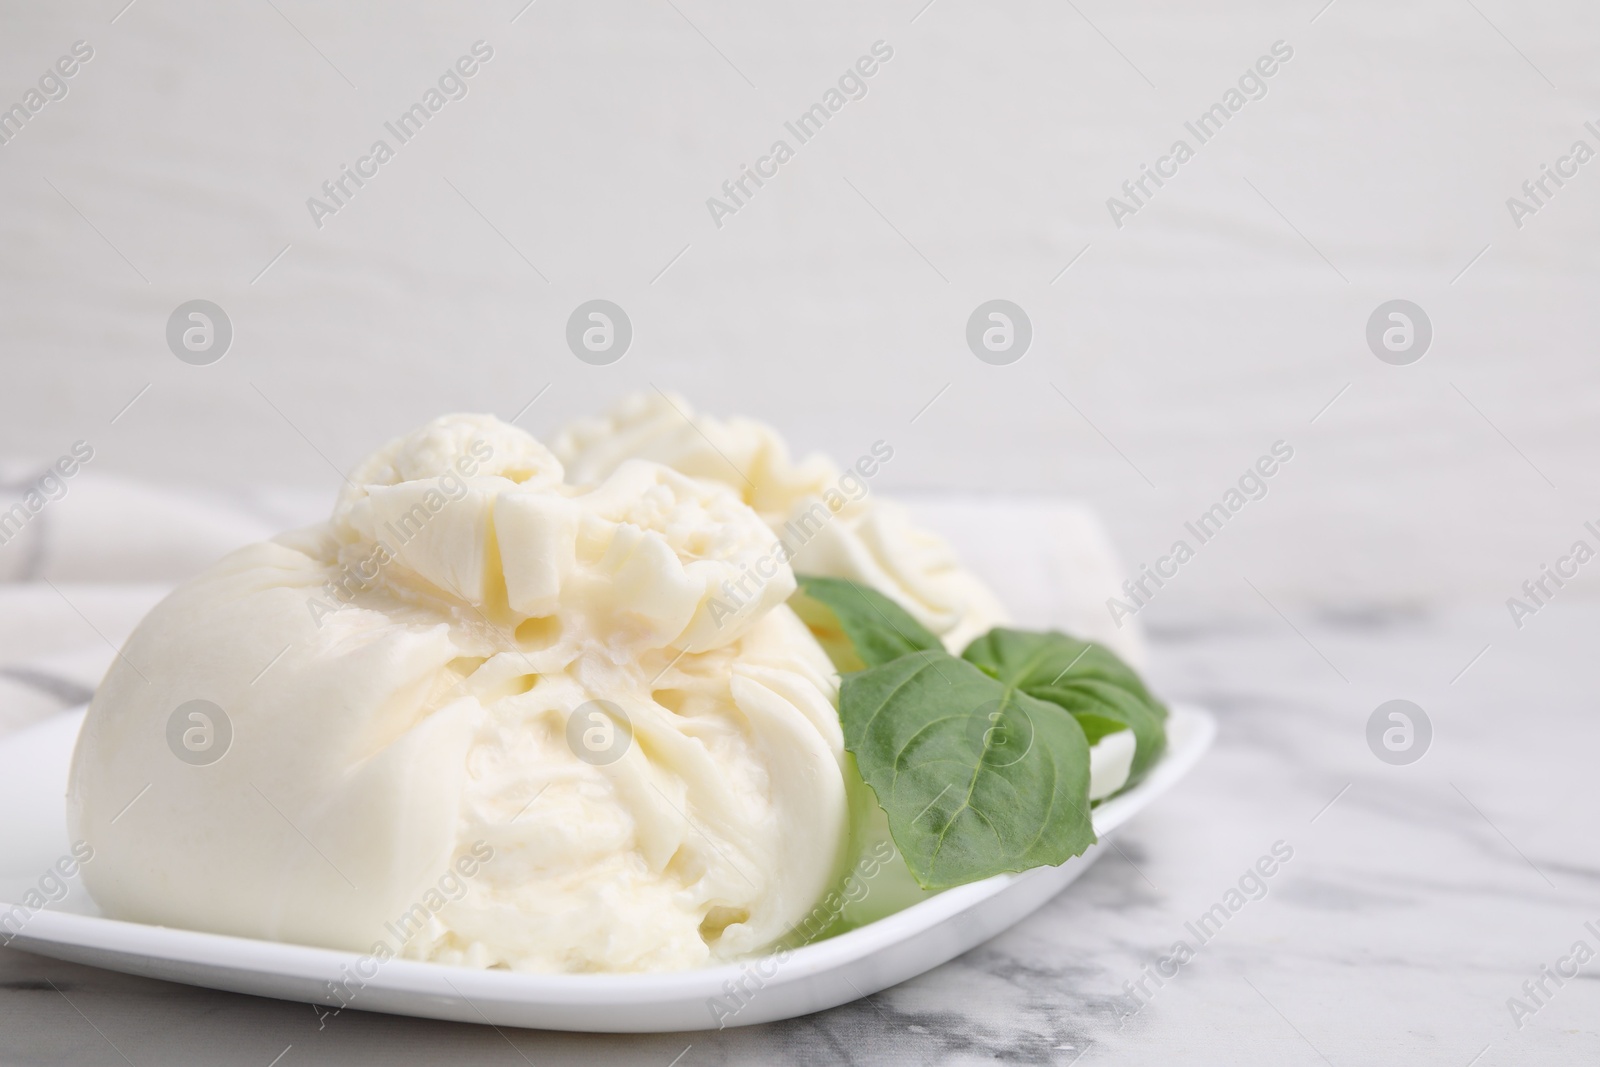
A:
(1087, 679)
(857, 626)
(976, 777)
(980, 763)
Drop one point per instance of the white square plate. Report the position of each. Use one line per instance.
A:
(817, 976)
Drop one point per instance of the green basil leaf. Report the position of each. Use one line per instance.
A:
(1087, 679)
(857, 626)
(976, 777)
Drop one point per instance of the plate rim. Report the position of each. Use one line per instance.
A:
(1191, 730)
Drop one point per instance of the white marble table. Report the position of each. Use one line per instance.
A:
(1415, 904)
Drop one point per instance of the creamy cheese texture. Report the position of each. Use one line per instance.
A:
(513, 706)
(827, 515)
(424, 751)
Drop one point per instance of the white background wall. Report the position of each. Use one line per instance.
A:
(1222, 317)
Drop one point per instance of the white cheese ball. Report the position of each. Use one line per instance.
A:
(480, 716)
